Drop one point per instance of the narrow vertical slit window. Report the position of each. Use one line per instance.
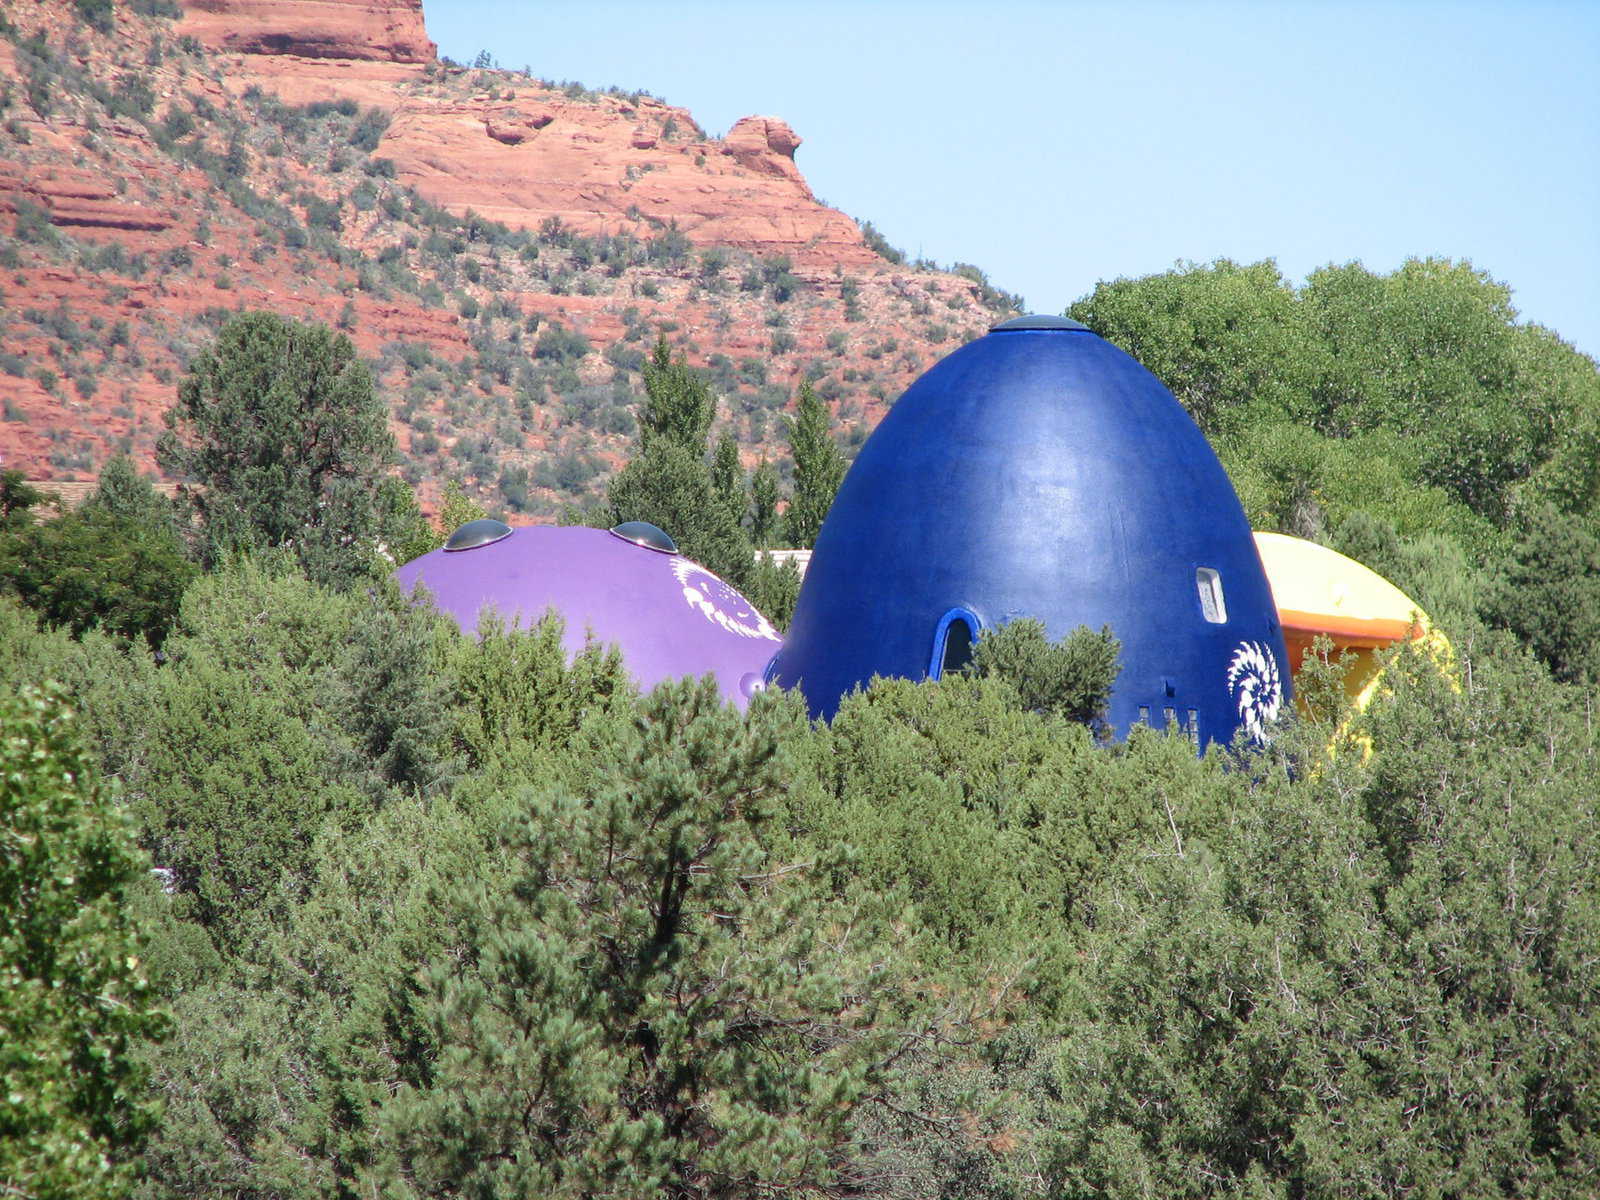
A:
(1194, 726)
(1208, 582)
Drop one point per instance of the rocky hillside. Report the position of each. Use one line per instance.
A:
(503, 250)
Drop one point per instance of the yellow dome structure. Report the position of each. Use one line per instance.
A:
(1320, 592)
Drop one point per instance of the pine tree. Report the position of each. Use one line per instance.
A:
(764, 518)
(628, 1019)
(818, 469)
(727, 479)
(279, 426)
(678, 403)
(122, 492)
(669, 482)
(1550, 595)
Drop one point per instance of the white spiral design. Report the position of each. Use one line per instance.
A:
(1255, 685)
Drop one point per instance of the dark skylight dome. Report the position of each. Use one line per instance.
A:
(642, 533)
(485, 531)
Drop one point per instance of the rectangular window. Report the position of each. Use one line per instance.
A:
(1209, 584)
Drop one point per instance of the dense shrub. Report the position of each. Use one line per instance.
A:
(132, 96)
(33, 223)
(116, 563)
(879, 244)
(368, 131)
(75, 1006)
(561, 344)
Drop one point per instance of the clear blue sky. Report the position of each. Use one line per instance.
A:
(1055, 145)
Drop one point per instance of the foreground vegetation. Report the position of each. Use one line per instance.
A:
(443, 916)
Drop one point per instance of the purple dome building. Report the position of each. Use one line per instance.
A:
(628, 586)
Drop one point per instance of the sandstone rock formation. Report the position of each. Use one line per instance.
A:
(607, 164)
(131, 228)
(77, 197)
(375, 30)
(765, 145)
(599, 163)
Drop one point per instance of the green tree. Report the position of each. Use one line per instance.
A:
(1228, 340)
(1361, 390)
(627, 1020)
(1433, 353)
(678, 402)
(393, 693)
(18, 499)
(278, 427)
(117, 562)
(669, 481)
(669, 485)
(818, 469)
(74, 1004)
(456, 508)
(764, 519)
(122, 492)
(1550, 594)
(93, 568)
(773, 588)
(412, 535)
(1327, 993)
(727, 480)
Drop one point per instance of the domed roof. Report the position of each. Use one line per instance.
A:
(1042, 472)
(669, 616)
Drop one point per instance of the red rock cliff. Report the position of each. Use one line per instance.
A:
(599, 163)
(605, 164)
(374, 30)
(124, 249)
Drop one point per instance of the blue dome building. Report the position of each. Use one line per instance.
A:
(1042, 472)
